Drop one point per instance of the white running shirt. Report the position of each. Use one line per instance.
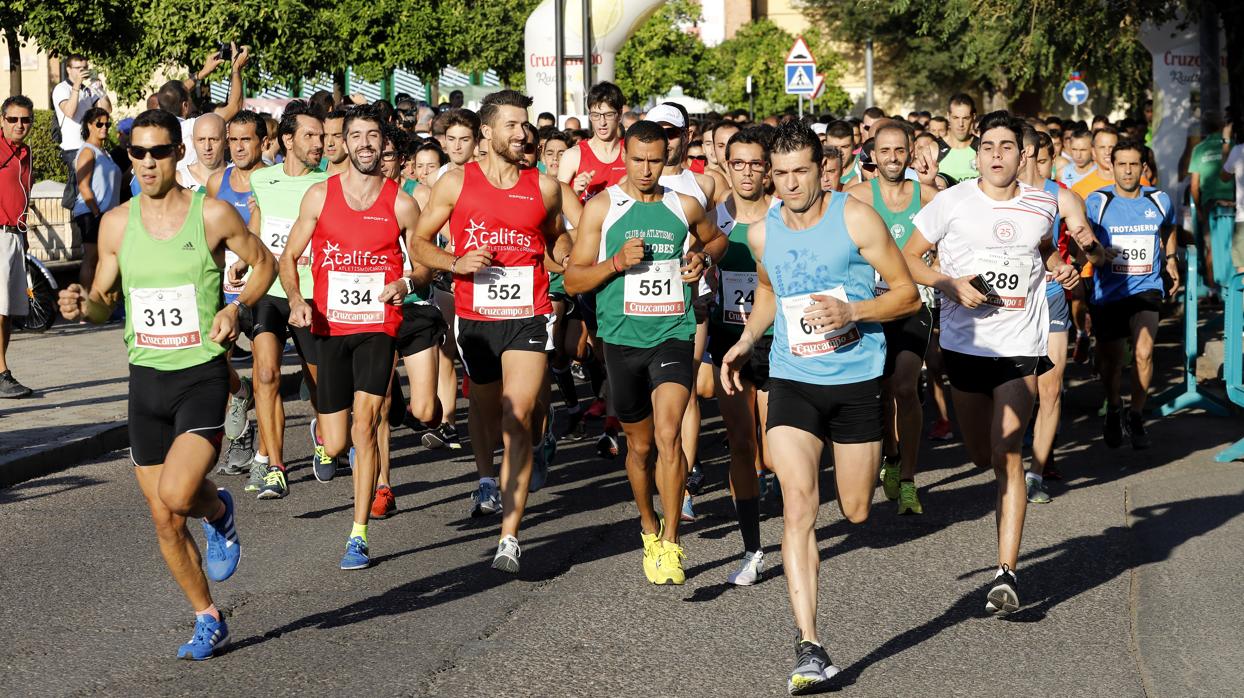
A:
(1000, 239)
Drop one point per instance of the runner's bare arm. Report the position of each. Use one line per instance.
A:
(584, 274)
(708, 238)
(224, 225)
(96, 305)
(568, 166)
(571, 206)
(1063, 273)
(877, 247)
(861, 192)
(1071, 208)
(299, 239)
(407, 212)
(435, 217)
(213, 184)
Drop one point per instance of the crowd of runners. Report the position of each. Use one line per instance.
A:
(825, 281)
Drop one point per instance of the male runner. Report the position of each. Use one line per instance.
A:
(163, 251)
(596, 163)
(1080, 149)
(897, 200)
(336, 160)
(630, 250)
(960, 161)
(722, 133)
(746, 157)
(816, 255)
(504, 221)
(208, 140)
(1134, 225)
(993, 232)
(841, 135)
(278, 192)
(353, 222)
(1103, 141)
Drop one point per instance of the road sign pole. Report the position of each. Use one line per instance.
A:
(801, 106)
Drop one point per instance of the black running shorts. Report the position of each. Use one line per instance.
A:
(911, 334)
(844, 414)
(757, 369)
(982, 374)
(482, 342)
(1113, 320)
(352, 363)
(166, 404)
(271, 314)
(634, 372)
(423, 327)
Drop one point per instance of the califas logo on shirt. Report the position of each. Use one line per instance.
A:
(478, 235)
(332, 257)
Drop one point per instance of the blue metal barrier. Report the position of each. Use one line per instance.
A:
(1188, 397)
(1233, 358)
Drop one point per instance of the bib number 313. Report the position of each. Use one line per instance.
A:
(165, 318)
(804, 340)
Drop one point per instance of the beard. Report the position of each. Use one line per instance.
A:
(373, 169)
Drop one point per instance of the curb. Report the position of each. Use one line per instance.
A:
(64, 455)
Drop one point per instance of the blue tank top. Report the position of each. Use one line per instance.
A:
(1051, 188)
(1133, 227)
(238, 200)
(822, 260)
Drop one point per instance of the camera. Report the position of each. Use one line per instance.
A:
(225, 50)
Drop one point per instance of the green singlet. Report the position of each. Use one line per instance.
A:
(279, 197)
(737, 273)
(959, 163)
(409, 185)
(172, 292)
(649, 303)
(899, 223)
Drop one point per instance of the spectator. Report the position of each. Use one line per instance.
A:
(174, 96)
(545, 119)
(18, 114)
(71, 99)
(99, 188)
(120, 154)
(455, 99)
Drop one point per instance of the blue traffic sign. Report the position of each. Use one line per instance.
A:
(1075, 93)
(800, 79)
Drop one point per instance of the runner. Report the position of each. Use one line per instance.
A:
(353, 223)
(1103, 141)
(208, 141)
(1215, 201)
(831, 169)
(897, 200)
(722, 133)
(335, 159)
(278, 192)
(630, 249)
(960, 160)
(163, 252)
(1080, 150)
(841, 135)
(816, 258)
(1134, 225)
(993, 232)
(746, 157)
(504, 220)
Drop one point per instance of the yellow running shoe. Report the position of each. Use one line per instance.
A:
(652, 545)
(890, 474)
(669, 564)
(908, 502)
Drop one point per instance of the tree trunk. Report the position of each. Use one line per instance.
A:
(339, 86)
(15, 60)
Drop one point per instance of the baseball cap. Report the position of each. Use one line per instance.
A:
(125, 125)
(819, 128)
(666, 113)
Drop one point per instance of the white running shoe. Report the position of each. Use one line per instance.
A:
(750, 571)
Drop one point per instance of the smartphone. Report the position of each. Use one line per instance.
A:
(225, 51)
(980, 284)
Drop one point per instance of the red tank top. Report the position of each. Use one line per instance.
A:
(509, 222)
(607, 174)
(354, 255)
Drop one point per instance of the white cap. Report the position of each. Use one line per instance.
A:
(819, 128)
(666, 113)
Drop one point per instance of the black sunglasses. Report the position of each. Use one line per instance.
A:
(699, 158)
(672, 132)
(20, 119)
(159, 152)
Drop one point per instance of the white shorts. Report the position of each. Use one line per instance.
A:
(13, 299)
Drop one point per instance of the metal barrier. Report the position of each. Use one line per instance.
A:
(1233, 358)
(1189, 397)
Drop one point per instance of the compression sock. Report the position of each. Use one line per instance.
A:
(748, 511)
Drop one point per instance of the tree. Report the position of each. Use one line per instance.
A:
(660, 55)
(759, 49)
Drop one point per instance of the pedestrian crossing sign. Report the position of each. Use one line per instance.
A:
(800, 79)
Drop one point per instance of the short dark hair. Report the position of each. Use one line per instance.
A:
(1030, 137)
(874, 113)
(395, 136)
(894, 125)
(289, 120)
(554, 135)
(458, 117)
(749, 136)
(962, 98)
(19, 101)
(363, 112)
(247, 116)
(89, 118)
(1046, 142)
(1053, 121)
(940, 120)
(839, 129)
(1003, 119)
(432, 145)
(338, 113)
(171, 96)
(793, 136)
(1080, 132)
(546, 116)
(322, 102)
(158, 118)
(384, 111)
(605, 93)
(725, 124)
(1127, 144)
(1107, 129)
(492, 104)
(646, 132)
(832, 151)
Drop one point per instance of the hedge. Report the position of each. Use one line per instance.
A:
(45, 151)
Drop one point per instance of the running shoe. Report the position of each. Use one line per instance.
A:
(507, 555)
(384, 503)
(323, 466)
(274, 486)
(941, 431)
(259, 471)
(813, 668)
(577, 370)
(751, 570)
(1136, 430)
(688, 511)
(1036, 491)
(10, 388)
(668, 568)
(209, 635)
(550, 445)
(596, 410)
(695, 479)
(890, 474)
(770, 488)
(356, 557)
(223, 548)
(239, 406)
(908, 502)
(240, 453)
(1003, 596)
(607, 446)
(1112, 427)
(444, 436)
(652, 545)
(574, 423)
(539, 466)
(485, 500)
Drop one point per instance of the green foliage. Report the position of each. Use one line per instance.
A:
(759, 49)
(660, 55)
(44, 152)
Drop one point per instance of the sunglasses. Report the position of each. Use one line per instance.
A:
(103, 124)
(673, 132)
(20, 119)
(159, 152)
(698, 158)
(388, 155)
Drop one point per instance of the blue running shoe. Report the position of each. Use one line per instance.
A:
(356, 555)
(223, 548)
(352, 458)
(209, 635)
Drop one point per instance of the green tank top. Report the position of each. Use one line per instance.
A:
(409, 185)
(736, 290)
(650, 303)
(898, 223)
(279, 197)
(172, 292)
(557, 283)
(959, 163)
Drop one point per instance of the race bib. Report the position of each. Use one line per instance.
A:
(1135, 256)
(274, 232)
(738, 292)
(804, 341)
(504, 292)
(1008, 276)
(354, 298)
(165, 318)
(654, 289)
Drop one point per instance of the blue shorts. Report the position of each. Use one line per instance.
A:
(1060, 313)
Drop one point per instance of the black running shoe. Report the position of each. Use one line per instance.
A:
(1136, 429)
(695, 479)
(813, 669)
(1003, 596)
(1112, 428)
